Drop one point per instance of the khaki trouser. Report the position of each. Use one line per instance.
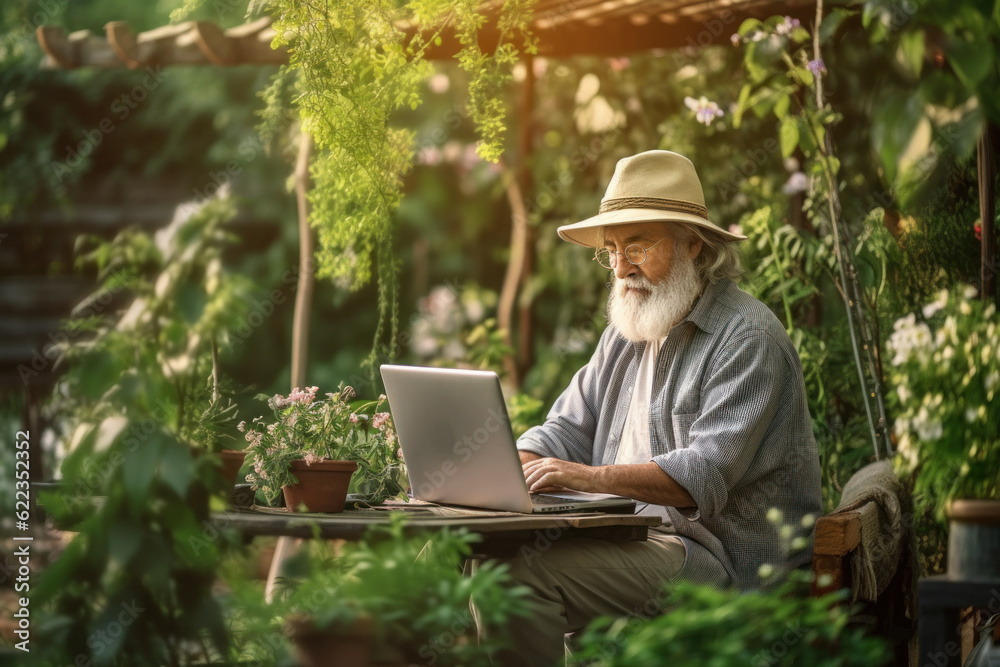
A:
(576, 580)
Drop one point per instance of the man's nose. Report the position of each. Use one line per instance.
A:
(624, 267)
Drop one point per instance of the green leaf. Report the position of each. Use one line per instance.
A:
(139, 467)
(789, 135)
(175, 467)
(971, 60)
(191, 302)
(97, 372)
(912, 48)
(831, 22)
(781, 105)
(741, 105)
(124, 538)
(895, 121)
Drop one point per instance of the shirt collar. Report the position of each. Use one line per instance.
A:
(701, 314)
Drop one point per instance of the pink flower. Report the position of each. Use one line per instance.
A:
(735, 39)
(310, 458)
(978, 229)
(619, 64)
(305, 396)
(705, 110)
(816, 67)
(353, 418)
(276, 402)
(380, 419)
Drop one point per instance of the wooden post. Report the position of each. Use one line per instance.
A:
(526, 328)
(289, 546)
(307, 273)
(986, 162)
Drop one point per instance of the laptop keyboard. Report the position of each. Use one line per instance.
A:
(539, 499)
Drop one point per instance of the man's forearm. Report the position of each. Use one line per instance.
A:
(527, 456)
(645, 482)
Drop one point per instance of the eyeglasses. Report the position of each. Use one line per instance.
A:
(634, 253)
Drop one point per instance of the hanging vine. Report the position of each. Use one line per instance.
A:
(357, 64)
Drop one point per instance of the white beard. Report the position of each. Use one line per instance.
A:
(650, 314)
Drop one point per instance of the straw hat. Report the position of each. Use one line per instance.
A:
(649, 187)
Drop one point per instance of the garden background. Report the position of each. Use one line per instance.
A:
(909, 89)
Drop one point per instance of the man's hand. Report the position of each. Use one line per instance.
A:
(547, 474)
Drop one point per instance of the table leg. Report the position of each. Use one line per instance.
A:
(938, 637)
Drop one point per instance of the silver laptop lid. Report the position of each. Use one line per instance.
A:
(455, 436)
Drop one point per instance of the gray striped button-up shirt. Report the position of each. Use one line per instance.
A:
(728, 421)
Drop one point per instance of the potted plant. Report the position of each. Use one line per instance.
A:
(397, 598)
(946, 368)
(313, 446)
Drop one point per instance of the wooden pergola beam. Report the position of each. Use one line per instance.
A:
(190, 43)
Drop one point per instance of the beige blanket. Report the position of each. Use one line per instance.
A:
(874, 491)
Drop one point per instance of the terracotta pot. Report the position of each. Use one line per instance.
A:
(974, 539)
(322, 486)
(349, 646)
(232, 461)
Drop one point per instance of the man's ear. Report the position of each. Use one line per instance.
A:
(695, 246)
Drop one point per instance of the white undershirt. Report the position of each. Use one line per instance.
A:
(635, 447)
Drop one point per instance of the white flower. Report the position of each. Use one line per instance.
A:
(992, 380)
(797, 182)
(970, 292)
(787, 26)
(705, 111)
(241, 427)
(910, 339)
(927, 429)
(937, 304)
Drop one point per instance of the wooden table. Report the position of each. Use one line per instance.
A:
(941, 598)
(502, 532)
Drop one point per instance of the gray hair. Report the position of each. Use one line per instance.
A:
(718, 259)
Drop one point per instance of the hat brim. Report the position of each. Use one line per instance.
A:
(587, 232)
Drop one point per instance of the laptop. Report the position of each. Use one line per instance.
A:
(459, 449)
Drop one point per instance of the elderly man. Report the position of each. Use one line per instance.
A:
(693, 403)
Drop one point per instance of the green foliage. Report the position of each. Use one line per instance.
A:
(723, 628)
(414, 590)
(931, 114)
(143, 558)
(946, 372)
(356, 67)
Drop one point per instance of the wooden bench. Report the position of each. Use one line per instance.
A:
(838, 537)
